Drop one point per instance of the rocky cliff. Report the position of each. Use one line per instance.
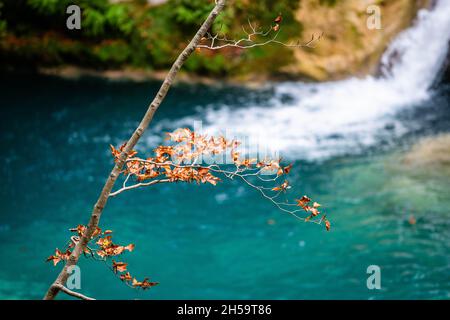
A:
(348, 46)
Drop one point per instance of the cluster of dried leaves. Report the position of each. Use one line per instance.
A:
(303, 202)
(105, 250)
(177, 163)
(183, 162)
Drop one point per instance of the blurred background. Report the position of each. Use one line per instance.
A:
(364, 116)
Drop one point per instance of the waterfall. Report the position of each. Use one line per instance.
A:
(421, 51)
(341, 117)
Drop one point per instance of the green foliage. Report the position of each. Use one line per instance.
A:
(2, 28)
(208, 65)
(3, 23)
(94, 22)
(112, 53)
(190, 12)
(118, 17)
(48, 7)
(134, 33)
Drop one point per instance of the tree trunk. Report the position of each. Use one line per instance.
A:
(103, 198)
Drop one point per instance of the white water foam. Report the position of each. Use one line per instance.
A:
(341, 117)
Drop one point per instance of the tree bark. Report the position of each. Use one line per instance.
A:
(104, 195)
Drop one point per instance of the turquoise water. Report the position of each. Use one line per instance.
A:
(213, 242)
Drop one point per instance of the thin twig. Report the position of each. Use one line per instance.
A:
(138, 185)
(249, 42)
(72, 293)
(240, 172)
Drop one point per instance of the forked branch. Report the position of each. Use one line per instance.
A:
(256, 37)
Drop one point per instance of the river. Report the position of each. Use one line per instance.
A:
(348, 140)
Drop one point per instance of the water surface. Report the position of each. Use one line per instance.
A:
(214, 242)
(347, 139)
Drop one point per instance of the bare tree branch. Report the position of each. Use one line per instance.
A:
(109, 184)
(72, 293)
(218, 41)
(254, 38)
